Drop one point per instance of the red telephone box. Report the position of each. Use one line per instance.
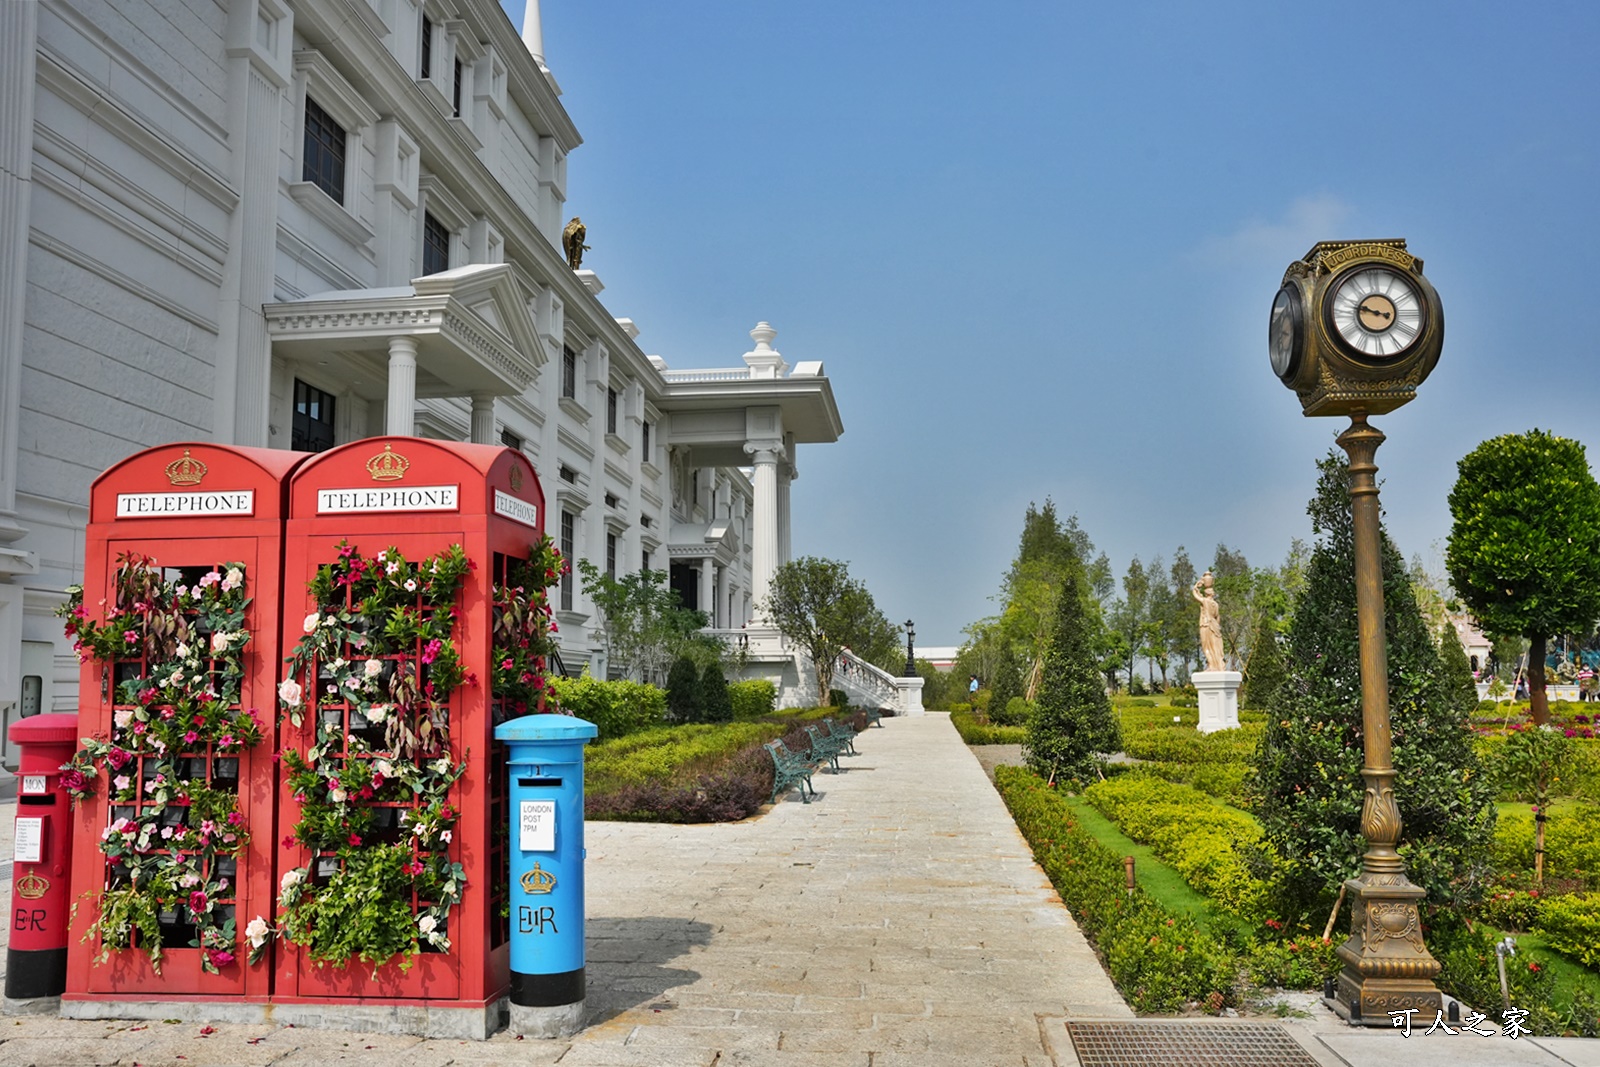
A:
(404, 567)
(178, 633)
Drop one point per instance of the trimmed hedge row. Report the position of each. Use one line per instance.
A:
(1159, 959)
(1580, 779)
(1200, 837)
(752, 699)
(1571, 841)
(1572, 925)
(617, 708)
(1228, 782)
(1179, 745)
(975, 733)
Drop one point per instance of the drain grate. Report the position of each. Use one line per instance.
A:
(1186, 1045)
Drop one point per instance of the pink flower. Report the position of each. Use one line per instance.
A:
(430, 652)
(227, 741)
(190, 737)
(130, 637)
(197, 902)
(354, 840)
(220, 958)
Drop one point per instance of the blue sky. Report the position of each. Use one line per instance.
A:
(1036, 243)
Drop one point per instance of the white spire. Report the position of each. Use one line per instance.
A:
(533, 33)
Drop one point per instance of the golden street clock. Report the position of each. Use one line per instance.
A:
(1355, 327)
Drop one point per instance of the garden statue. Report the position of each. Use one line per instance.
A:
(572, 242)
(1210, 623)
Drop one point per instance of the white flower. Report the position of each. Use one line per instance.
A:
(122, 717)
(427, 924)
(444, 835)
(441, 766)
(310, 625)
(374, 668)
(233, 579)
(219, 643)
(376, 714)
(383, 766)
(182, 650)
(383, 556)
(257, 932)
(391, 568)
(338, 663)
(289, 692)
(177, 676)
(292, 879)
(337, 796)
(411, 585)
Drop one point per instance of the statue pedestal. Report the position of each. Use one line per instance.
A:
(1219, 699)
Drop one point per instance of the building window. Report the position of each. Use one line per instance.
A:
(427, 47)
(568, 475)
(645, 443)
(313, 419)
(644, 560)
(611, 411)
(324, 151)
(456, 93)
(435, 245)
(611, 554)
(511, 440)
(569, 372)
(568, 525)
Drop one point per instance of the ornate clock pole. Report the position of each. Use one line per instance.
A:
(1354, 330)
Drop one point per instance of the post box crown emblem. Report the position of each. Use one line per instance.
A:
(516, 479)
(186, 471)
(537, 880)
(388, 465)
(32, 886)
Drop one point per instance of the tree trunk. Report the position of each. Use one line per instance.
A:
(1538, 703)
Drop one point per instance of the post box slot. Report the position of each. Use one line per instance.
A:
(49, 799)
(539, 783)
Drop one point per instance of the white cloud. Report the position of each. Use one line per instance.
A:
(1308, 219)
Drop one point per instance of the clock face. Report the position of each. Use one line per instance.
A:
(1377, 311)
(1283, 332)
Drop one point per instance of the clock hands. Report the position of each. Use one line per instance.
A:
(1374, 311)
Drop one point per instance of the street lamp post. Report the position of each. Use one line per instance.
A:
(1355, 328)
(911, 659)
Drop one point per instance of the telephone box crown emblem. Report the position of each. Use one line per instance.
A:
(388, 465)
(186, 471)
(538, 880)
(516, 479)
(32, 886)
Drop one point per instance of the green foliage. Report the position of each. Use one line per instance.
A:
(1228, 782)
(1571, 924)
(975, 733)
(838, 698)
(1200, 837)
(1264, 672)
(1072, 725)
(819, 607)
(1159, 959)
(1532, 761)
(1457, 670)
(752, 698)
(1190, 746)
(642, 619)
(1471, 975)
(1572, 843)
(617, 708)
(1309, 760)
(667, 752)
(1005, 683)
(1294, 963)
(716, 705)
(1015, 712)
(683, 690)
(1524, 549)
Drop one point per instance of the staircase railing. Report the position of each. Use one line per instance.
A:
(870, 681)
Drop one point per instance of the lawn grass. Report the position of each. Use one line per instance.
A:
(1155, 877)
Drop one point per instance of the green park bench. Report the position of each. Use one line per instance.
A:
(789, 770)
(841, 731)
(825, 746)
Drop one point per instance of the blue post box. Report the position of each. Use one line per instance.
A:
(545, 762)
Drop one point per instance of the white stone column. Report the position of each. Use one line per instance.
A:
(764, 520)
(785, 476)
(402, 409)
(724, 609)
(18, 49)
(483, 419)
(708, 590)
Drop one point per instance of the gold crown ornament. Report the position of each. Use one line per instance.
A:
(186, 471)
(516, 479)
(32, 886)
(537, 880)
(388, 465)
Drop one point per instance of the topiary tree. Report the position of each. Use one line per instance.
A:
(1264, 672)
(1458, 680)
(1308, 764)
(716, 704)
(1006, 681)
(1524, 550)
(683, 690)
(1072, 723)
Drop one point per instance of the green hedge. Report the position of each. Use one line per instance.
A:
(617, 708)
(668, 752)
(1571, 924)
(1228, 782)
(1160, 960)
(1571, 842)
(975, 733)
(753, 699)
(1181, 745)
(1200, 837)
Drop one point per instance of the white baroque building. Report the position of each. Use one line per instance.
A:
(294, 223)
